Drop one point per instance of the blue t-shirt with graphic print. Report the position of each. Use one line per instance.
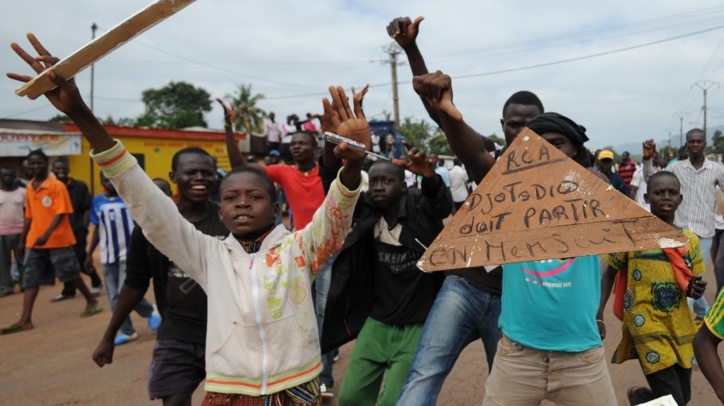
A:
(551, 305)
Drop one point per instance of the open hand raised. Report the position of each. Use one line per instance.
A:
(66, 97)
(339, 119)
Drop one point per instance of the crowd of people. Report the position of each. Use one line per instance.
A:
(258, 307)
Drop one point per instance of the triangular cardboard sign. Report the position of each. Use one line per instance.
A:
(535, 204)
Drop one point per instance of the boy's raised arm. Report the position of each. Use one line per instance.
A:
(236, 158)
(170, 232)
(467, 144)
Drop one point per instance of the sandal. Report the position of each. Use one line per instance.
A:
(91, 311)
(15, 328)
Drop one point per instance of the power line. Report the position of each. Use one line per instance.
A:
(596, 32)
(535, 66)
(22, 113)
(590, 56)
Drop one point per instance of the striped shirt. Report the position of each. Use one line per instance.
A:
(115, 225)
(698, 208)
(714, 319)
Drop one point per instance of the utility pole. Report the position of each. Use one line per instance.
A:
(393, 50)
(94, 27)
(705, 85)
(681, 115)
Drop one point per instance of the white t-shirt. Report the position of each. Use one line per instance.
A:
(272, 131)
(638, 181)
(458, 184)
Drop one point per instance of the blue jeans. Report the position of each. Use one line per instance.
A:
(700, 306)
(114, 275)
(461, 314)
(321, 290)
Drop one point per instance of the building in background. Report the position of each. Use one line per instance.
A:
(153, 148)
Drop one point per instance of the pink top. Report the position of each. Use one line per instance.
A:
(11, 211)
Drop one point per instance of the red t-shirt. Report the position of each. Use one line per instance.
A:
(304, 191)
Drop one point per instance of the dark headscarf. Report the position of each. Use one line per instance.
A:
(558, 123)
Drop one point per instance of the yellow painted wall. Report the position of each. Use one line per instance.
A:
(157, 154)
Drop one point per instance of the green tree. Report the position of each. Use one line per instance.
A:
(439, 145)
(61, 118)
(717, 142)
(493, 137)
(249, 117)
(176, 105)
(418, 133)
(123, 121)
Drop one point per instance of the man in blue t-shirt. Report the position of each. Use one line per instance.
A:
(551, 347)
(113, 227)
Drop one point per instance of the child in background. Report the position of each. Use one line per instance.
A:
(262, 342)
(651, 294)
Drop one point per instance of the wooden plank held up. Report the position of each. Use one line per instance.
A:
(103, 45)
(538, 204)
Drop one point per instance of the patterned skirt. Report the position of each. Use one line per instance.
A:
(306, 394)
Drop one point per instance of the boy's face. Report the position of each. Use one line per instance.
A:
(386, 186)
(515, 118)
(61, 170)
(664, 196)
(107, 185)
(164, 186)
(302, 148)
(246, 207)
(7, 176)
(37, 166)
(195, 177)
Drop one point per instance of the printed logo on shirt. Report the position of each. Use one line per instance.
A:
(549, 269)
(300, 261)
(47, 201)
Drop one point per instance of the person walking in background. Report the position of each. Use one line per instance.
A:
(699, 177)
(12, 209)
(458, 184)
(626, 169)
(113, 227)
(273, 132)
(605, 165)
(49, 239)
(81, 199)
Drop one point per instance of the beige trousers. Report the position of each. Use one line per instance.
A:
(523, 376)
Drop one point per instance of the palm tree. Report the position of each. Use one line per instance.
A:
(249, 117)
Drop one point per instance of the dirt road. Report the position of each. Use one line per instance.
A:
(52, 364)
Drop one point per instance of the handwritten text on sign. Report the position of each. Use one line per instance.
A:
(536, 203)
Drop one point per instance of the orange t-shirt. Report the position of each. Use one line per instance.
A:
(304, 191)
(42, 205)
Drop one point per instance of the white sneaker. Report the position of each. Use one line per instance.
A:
(326, 393)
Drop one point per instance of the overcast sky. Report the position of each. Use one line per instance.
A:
(292, 50)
